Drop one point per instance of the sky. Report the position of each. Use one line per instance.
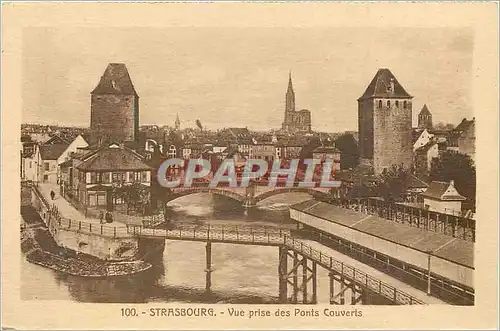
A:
(238, 76)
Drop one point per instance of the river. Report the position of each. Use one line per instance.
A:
(242, 273)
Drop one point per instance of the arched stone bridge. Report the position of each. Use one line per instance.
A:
(248, 196)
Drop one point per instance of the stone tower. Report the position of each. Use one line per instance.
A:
(425, 118)
(385, 123)
(114, 114)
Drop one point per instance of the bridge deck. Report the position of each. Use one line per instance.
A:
(450, 248)
(416, 293)
(330, 259)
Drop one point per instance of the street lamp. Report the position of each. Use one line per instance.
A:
(429, 253)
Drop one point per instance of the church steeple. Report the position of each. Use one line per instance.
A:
(177, 122)
(290, 95)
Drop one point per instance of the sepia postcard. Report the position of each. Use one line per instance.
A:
(246, 165)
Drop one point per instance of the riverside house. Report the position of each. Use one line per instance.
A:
(99, 174)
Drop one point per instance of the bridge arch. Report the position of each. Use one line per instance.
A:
(229, 193)
(264, 195)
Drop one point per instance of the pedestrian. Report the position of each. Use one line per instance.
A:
(101, 216)
(52, 195)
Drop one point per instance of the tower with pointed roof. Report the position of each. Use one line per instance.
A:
(295, 120)
(114, 114)
(425, 118)
(385, 123)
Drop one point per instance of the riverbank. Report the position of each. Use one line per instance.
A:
(41, 249)
(82, 268)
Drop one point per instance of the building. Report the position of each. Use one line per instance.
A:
(114, 114)
(422, 138)
(425, 118)
(30, 167)
(263, 151)
(295, 120)
(463, 138)
(96, 174)
(423, 158)
(328, 153)
(48, 164)
(443, 197)
(384, 121)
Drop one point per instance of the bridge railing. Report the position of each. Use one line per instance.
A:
(92, 228)
(223, 233)
(352, 273)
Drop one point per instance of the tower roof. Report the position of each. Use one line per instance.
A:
(290, 85)
(425, 110)
(115, 80)
(385, 85)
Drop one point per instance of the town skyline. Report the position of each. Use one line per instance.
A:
(207, 83)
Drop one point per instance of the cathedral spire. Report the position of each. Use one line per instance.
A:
(290, 95)
(177, 122)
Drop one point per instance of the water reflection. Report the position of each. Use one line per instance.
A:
(243, 274)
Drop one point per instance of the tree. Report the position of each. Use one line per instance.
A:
(461, 169)
(349, 151)
(393, 183)
(444, 126)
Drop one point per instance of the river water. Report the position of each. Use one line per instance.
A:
(242, 273)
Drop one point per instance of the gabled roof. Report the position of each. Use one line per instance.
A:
(380, 86)
(437, 190)
(425, 110)
(426, 147)
(464, 125)
(416, 182)
(56, 139)
(415, 134)
(115, 80)
(53, 151)
(113, 159)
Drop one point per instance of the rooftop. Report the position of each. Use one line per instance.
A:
(381, 87)
(115, 80)
(443, 191)
(113, 158)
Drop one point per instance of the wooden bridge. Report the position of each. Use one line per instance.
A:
(304, 260)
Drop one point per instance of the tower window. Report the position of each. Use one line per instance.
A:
(397, 104)
(389, 103)
(380, 103)
(404, 104)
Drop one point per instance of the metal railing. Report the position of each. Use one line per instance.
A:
(448, 224)
(356, 275)
(276, 237)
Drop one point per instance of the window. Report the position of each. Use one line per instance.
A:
(380, 103)
(404, 104)
(389, 103)
(30, 164)
(93, 177)
(105, 177)
(46, 165)
(397, 104)
(144, 176)
(99, 177)
(45, 178)
(116, 177)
